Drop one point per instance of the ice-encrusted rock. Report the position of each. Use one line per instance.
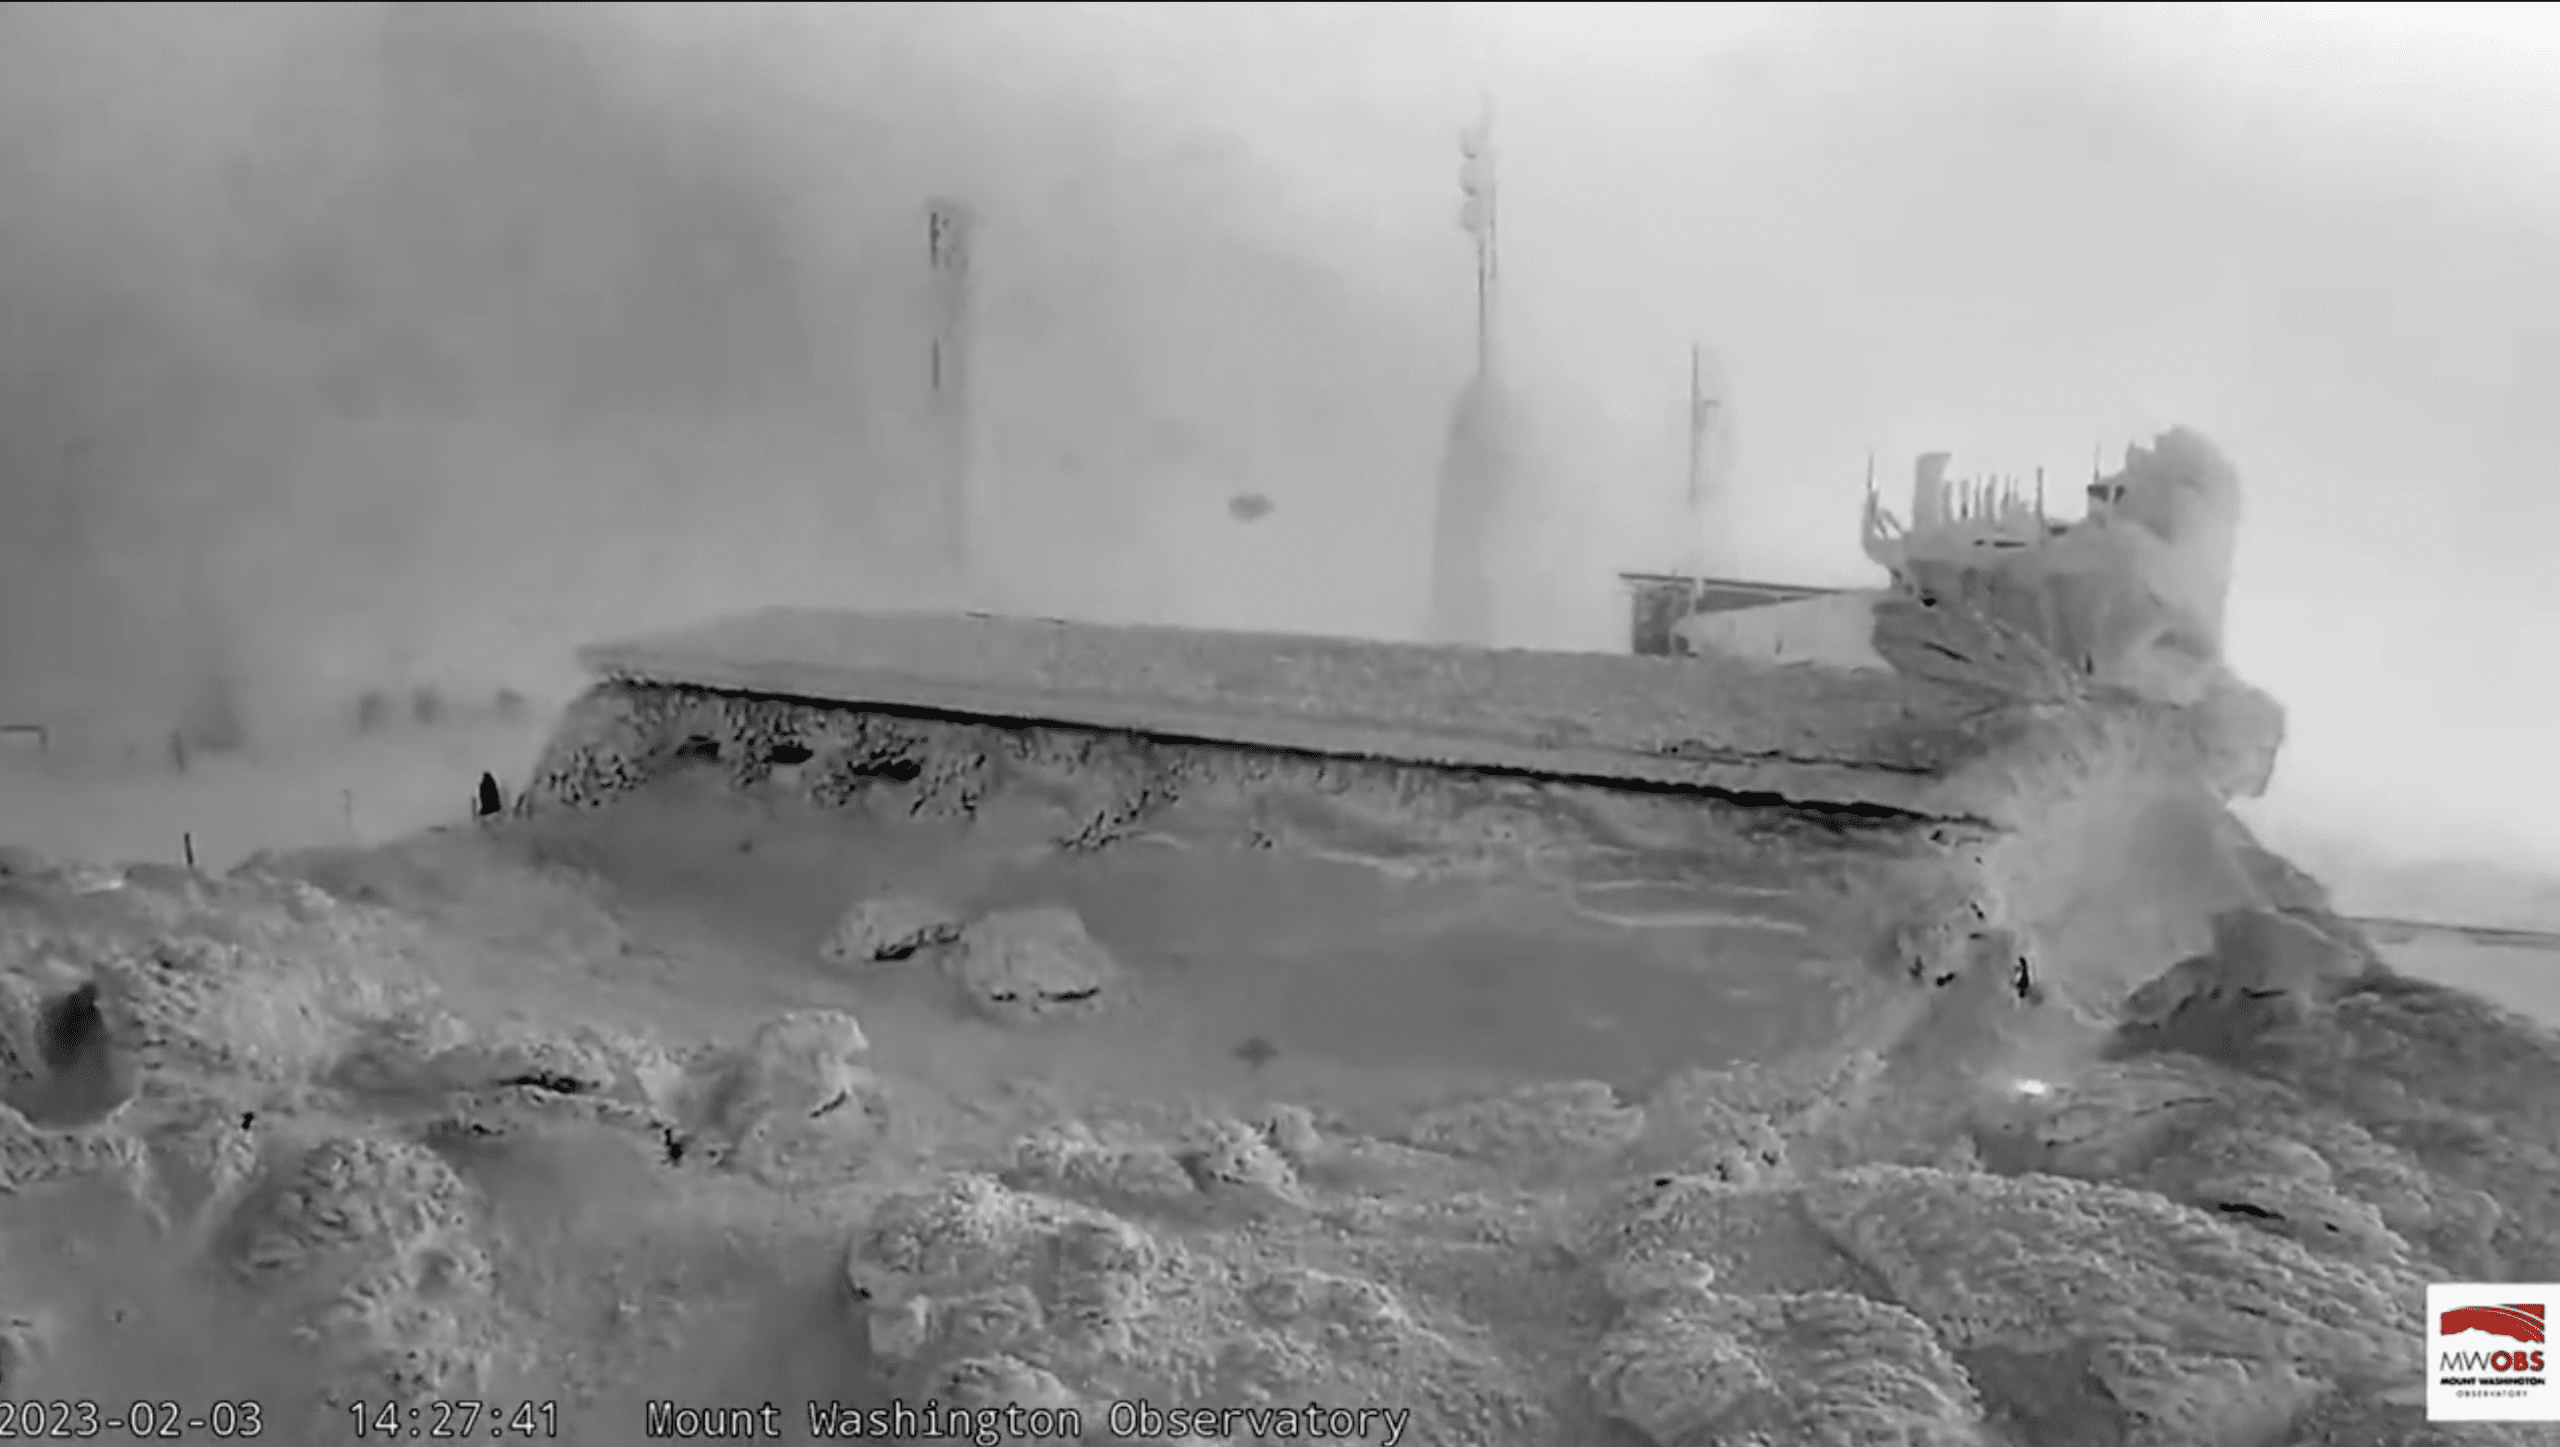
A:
(999, 1381)
(1235, 1164)
(2260, 1154)
(1713, 1138)
(1757, 1123)
(429, 1051)
(205, 1157)
(1703, 1369)
(1295, 1133)
(1550, 1124)
(2166, 1304)
(1746, 1124)
(145, 1032)
(2468, 1090)
(2312, 1212)
(380, 1243)
(510, 1080)
(1123, 1169)
(22, 1004)
(794, 1104)
(2172, 1398)
(1022, 965)
(1221, 1167)
(37, 1155)
(2346, 1419)
(1328, 1154)
(2265, 968)
(371, 1194)
(888, 927)
(979, 1279)
(1339, 1307)
(967, 1268)
(240, 988)
(2185, 1327)
(2237, 731)
(2466, 1094)
(27, 1340)
(1672, 1232)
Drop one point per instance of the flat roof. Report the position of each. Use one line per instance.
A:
(1858, 739)
(1805, 590)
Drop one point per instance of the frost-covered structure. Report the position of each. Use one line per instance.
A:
(2132, 593)
(1973, 1078)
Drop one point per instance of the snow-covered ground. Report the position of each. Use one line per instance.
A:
(1324, 1107)
(357, 789)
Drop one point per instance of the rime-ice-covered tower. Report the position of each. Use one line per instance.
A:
(1477, 471)
(2132, 593)
(1708, 496)
(948, 227)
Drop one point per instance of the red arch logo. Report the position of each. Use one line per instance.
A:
(2517, 1323)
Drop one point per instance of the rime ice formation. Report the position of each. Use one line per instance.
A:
(889, 927)
(794, 1100)
(1986, 590)
(1032, 964)
(1477, 540)
(1560, 1123)
(2131, 595)
(1855, 1238)
(1695, 1051)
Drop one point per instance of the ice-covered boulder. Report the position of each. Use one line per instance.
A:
(794, 1103)
(888, 927)
(382, 1246)
(1022, 965)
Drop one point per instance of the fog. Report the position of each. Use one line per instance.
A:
(354, 346)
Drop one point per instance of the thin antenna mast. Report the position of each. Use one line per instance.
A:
(1702, 416)
(1478, 215)
(1697, 432)
(947, 247)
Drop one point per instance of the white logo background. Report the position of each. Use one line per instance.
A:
(2462, 1386)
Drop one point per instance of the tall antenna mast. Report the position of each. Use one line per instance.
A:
(1702, 416)
(1698, 406)
(947, 255)
(1477, 215)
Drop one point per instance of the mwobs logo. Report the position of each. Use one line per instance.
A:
(2519, 1323)
(2484, 1354)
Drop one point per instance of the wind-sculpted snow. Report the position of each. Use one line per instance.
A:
(841, 1052)
(968, 1282)
(385, 1243)
(2189, 1250)
(1703, 1367)
(2463, 1091)
(2027, 1263)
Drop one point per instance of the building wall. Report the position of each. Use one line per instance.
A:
(1659, 601)
(1836, 630)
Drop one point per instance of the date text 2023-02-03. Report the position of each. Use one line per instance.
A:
(75, 1419)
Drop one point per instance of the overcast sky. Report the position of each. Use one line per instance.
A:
(344, 340)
